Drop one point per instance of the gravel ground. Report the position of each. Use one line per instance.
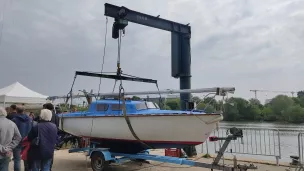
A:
(77, 162)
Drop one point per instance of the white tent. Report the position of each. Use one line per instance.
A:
(18, 93)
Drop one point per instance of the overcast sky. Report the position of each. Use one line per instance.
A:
(247, 44)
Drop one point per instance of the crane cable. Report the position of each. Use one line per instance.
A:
(104, 53)
(103, 59)
(118, 71)
(2, 15)
(66, 101)
(121, 97)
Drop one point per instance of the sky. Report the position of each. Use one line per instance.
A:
(246, 44)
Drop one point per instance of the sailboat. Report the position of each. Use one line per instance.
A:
(130, 126)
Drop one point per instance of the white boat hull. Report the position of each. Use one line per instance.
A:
(184, 129)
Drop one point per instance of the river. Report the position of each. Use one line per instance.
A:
(264, 144)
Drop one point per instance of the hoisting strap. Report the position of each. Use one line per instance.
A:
(128, 120)
(61, 120)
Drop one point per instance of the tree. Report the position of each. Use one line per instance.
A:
(242, 107)
(196, 99)
(135, 98)
(210, 109)
(210, 101)
(296, 100)
(254, 112)
(300, 101)
(267, 114)
(201, 106)
(300, 94)
(294, 114)
(231, 112)
(256, 102)
(167, 107)
(279, 104)
(174, 104)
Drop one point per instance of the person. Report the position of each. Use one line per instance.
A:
(10, 138)
(13, 112)
(42, 153)
(32, 115)
(24, 124)
(55, 120)
(7, 110)
(26, 145)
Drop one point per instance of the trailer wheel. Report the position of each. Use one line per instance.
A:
(98, 162)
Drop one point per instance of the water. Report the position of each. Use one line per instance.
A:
(266, 143)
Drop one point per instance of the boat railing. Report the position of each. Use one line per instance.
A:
(255, 142)
(217, 90)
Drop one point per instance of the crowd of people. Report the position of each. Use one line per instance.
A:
(28, 138)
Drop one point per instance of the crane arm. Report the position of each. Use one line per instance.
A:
(144, 19)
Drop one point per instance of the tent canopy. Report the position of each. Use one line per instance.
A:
(18, 93)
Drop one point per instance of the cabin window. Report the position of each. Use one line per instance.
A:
(146, 105)
(141, 106)
(102, 107)
(156, 105)
(116, 106)
(151, 105)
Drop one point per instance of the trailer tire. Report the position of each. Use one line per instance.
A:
(98, 162)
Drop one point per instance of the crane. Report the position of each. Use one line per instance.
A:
(180, 41)
(273, 91)
(180, 45)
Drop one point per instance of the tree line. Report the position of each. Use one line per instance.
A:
(281, 108)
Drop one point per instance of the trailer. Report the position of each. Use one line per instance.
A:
(101, 158)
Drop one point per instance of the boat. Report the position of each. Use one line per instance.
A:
(149, 127)
(129, 126)
(104, 123)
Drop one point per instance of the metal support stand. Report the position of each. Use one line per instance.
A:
(234, 134)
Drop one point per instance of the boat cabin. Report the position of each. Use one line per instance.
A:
(115, 107)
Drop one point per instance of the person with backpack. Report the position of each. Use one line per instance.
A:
(54, 120)
(43, 138)
(24, 124)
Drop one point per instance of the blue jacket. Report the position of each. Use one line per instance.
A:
(11, 115)
(24, 124)
(48, 138)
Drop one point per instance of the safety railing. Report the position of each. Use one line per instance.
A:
(255, 141)
(298, 161)
(300, 147)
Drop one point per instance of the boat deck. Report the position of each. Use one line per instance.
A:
(114, 108)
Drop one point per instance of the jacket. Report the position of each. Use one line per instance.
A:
(26, 144)
(11, 115)
(24, 124)
(10, 136)
(47, 140)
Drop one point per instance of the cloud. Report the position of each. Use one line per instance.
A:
(248, 44)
